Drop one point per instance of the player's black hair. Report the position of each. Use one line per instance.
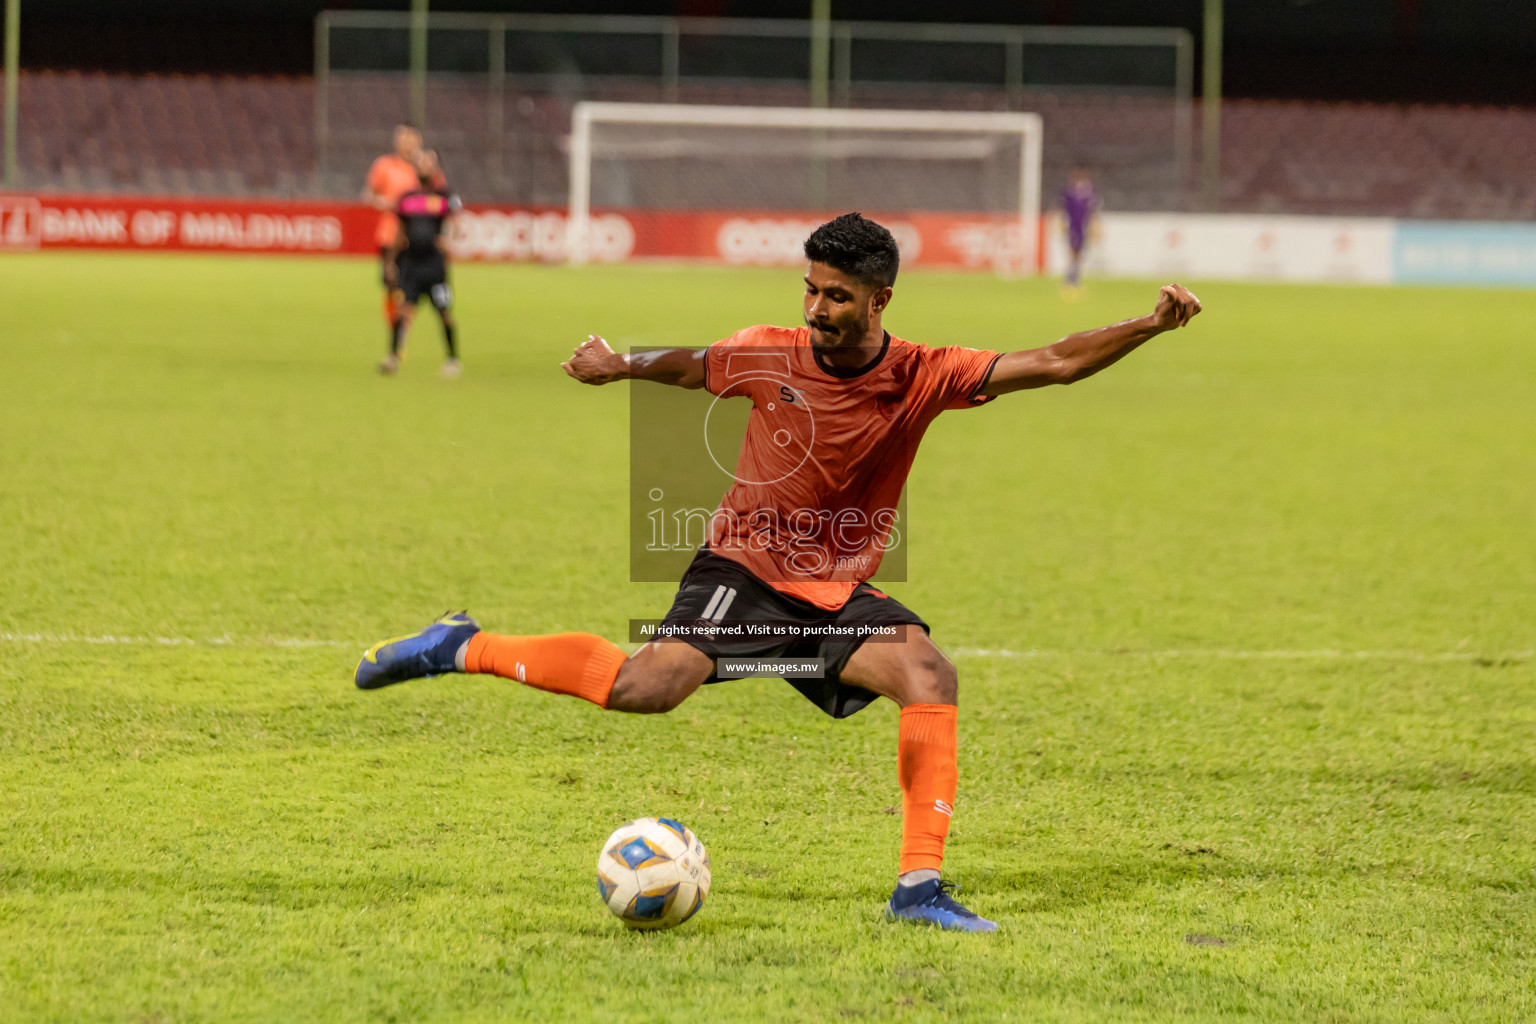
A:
(860, 248)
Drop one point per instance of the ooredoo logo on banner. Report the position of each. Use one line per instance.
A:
(777, 242)
(489, 234)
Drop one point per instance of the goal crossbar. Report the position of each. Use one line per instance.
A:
(586, 114)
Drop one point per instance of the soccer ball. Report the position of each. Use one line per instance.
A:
(653, 873)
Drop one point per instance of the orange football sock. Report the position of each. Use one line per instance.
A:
(391, 307)
(925, 765)
(581, 664)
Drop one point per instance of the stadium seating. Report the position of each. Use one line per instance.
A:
(257, 137)
(167, 134)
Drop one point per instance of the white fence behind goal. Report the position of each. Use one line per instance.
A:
(810, 163)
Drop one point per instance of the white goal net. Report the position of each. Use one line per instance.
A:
(961, 187)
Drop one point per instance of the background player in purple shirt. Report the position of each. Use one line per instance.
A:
(1078, 206)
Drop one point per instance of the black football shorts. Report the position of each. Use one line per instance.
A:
(716, 590)
(425, 275)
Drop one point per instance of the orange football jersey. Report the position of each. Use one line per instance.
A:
(390, 177)
(826, 452)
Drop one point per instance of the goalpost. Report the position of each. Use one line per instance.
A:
(809, 161)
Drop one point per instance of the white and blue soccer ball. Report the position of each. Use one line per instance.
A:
(653, 873)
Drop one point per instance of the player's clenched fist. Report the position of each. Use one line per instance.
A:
(1176, 306)
(594, 362)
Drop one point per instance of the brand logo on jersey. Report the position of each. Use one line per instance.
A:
(719, 604)
(715, 611)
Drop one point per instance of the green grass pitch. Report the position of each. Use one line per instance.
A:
(1244, 626)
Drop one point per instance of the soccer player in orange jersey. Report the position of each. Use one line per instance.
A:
(392, 176)
(839, 406)
(418, 260)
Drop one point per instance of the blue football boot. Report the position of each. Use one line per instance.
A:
(930, 903)
(427, 653)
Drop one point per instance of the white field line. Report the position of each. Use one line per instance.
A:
(170, 641)
(1215, 654)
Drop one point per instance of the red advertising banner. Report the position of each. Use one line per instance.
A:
(491, 233)
(148, 223)
(941, 240)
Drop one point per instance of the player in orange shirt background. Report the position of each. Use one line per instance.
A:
(390, 177)
(416, 262)
(839, 407)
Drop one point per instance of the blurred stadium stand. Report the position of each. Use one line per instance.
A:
(82, 132)
(255, 136)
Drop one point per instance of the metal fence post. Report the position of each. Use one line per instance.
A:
(419, 63)
(821, 50)
(495, 112)
(323, 102)
(1183, 127)
(1014, 70)
(1210, 107)
(12, 84)
(842, 65)
(671, 60)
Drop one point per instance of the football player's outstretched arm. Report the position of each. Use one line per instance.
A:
(594, 362)
(1087, 352)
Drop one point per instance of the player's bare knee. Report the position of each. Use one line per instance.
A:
(926, 676)
(660, 699)
(932, 678)
(647, 690)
